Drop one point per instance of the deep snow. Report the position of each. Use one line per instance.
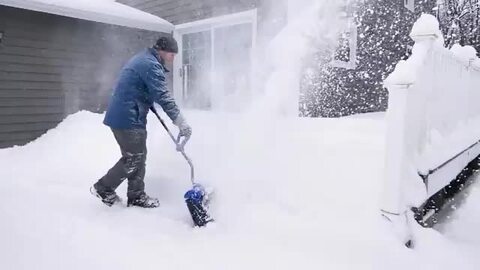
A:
(291, 193)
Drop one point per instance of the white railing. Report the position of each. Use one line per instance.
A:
(433, 121)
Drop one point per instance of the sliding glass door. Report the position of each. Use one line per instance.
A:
(215, 61)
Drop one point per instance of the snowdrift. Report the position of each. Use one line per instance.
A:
(291, 193)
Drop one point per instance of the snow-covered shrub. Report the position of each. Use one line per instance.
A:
(329, 90)
(460, 22)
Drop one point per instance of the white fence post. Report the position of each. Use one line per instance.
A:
(399, 134)
(393, 207)
(397, 104)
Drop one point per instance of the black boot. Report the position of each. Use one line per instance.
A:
(144, 201)
(108, 198)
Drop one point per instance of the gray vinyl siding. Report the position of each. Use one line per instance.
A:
(51, 66)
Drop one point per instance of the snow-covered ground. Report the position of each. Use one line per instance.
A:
(290, 194)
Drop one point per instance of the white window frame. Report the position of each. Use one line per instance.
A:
(352, 43)
(210, 24)
(409, 4)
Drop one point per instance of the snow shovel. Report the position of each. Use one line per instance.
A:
(197, 198)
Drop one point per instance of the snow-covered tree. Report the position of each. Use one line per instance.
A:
(460, 21)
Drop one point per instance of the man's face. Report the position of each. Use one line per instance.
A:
(167, 56)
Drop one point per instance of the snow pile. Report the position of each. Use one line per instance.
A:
(464, 223)
(305, 199)
(403, 75)
(105, 11)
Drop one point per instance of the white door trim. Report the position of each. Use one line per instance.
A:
(209, 24)
(225, 20)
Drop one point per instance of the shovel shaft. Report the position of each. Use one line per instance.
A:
(180, 147)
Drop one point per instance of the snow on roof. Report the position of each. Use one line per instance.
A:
(104, 11)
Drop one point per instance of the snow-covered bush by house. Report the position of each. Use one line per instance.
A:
(330, 90)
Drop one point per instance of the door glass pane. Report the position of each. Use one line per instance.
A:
(226, 84)
(231, 77)
(196, 66)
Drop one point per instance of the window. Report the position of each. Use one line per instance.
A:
(346, 54)
(409, 4)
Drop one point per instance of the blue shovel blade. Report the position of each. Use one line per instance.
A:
(196, 205)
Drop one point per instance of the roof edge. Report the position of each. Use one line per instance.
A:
(91, 15)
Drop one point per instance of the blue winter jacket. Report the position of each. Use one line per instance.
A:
(141, 83)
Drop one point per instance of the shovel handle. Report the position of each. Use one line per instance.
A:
(179, 144)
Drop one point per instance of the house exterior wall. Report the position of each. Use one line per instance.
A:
(268, 17)
(51, 66)
(272, 14)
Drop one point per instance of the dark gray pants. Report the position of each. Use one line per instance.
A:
(131, 166)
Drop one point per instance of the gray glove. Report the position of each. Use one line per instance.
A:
(185, 130)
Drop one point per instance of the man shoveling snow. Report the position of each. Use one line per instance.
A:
(140, 84)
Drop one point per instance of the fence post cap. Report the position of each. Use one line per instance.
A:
(468, 54)
(402, 77)
(426, 28)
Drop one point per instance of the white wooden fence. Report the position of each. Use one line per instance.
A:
(433, 121)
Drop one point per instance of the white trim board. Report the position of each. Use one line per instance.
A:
(249, 16)
(409, 4)
(352, 43)
(445, 175)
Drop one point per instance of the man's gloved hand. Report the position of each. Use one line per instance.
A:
(185, 129)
